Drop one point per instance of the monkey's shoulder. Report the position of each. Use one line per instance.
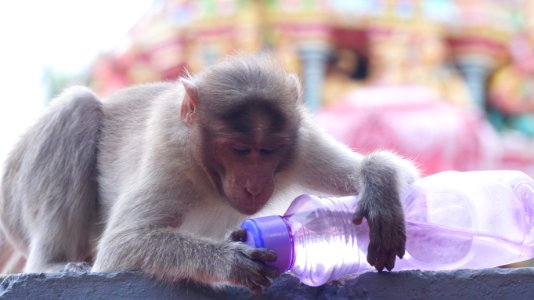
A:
(137, 103)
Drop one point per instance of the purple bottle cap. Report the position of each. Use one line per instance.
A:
(271, 232)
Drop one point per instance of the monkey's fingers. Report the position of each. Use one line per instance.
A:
(262, 254)
(377, 252)
(372, 255)
(239, 235)
(256, 282)
(401, 251)
(263, 281)
(390, 260)
(253, 287)
(396, 241)
(384, 259)
(385, 244)
(250, 275)
(373, 249)
(270, 272)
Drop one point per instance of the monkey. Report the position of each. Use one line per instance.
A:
(157, 177)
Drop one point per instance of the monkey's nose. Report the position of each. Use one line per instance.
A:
(254, 190)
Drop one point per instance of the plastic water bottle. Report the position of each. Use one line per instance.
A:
(454, 220)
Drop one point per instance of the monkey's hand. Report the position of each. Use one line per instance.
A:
(387, 234)
(247, 264)
(384, 177)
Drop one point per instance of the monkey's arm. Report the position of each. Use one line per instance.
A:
(143, 234)
(330, 167)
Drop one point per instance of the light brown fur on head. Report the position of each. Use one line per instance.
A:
(236, 80)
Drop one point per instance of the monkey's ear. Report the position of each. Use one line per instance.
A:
(295, 82)
(190, 101)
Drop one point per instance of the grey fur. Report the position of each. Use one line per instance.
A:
(49, 203)
(152, 206)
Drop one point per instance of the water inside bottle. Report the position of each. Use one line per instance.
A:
(325, 245)
(481, 228)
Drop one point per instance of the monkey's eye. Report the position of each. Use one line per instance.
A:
(266, 151)
(241, 150)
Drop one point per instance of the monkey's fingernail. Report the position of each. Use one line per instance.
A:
(390, 265)
(380, 264)
(401, 253)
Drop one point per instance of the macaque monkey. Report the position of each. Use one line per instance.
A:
(157, 176)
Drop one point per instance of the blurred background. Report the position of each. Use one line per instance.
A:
(447, 83)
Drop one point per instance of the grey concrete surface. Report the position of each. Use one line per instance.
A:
(494, 283)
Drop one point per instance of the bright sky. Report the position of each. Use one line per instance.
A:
(64, 34)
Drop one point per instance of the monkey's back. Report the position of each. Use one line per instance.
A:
(50, 171)
(122, 137)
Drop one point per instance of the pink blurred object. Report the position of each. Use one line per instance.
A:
(414, 122)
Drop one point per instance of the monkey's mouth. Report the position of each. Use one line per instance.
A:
(247, 205)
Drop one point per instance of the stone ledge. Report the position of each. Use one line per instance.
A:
(461, 284)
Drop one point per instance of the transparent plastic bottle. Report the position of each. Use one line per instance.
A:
(454, 220)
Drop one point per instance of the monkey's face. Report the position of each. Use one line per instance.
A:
(245, 174)
(242, 164)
